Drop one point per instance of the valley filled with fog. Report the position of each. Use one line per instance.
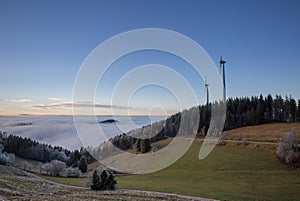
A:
(61, 130)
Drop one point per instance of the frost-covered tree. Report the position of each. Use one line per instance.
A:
(58, 166)
(47, 168)
(71, 172)
(6, 158)
(55, 167)
(26, 166)
(288, 150)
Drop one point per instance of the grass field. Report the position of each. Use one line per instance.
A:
(264, 133)
(228, 173)
(234, 172)
(81, 182)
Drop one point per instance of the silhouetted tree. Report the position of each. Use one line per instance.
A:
(82, 164)
(137, 145)
(260, 114)
(293, 109)
(269, 108)
(145, 145)
(106, 181)
(96, 185)
(74, 158)
(278, 105)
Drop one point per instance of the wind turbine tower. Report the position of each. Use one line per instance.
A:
(222, 67)
(207, 92)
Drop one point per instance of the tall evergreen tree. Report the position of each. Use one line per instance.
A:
(293, 109)
(82, 164)
(137, 145)
(145, 145)
(106, 181)
(269, 108)
(278, 107)
(260, 114)
(287, 109)
(96, 185)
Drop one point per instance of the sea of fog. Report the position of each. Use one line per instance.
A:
(61, 130)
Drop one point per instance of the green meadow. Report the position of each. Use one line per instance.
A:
(232, 172)
(228, 173)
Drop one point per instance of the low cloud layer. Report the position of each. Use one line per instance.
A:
(56, 99)
(61, 131)
(23, 100)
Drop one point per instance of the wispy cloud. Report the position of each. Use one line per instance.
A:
(23, 100)
(78, 104)
(56, 99)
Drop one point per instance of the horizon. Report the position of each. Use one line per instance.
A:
(145, 115)
(44, 44)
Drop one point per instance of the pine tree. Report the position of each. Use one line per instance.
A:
(293, 109)
(137, 145)
(260, 115)
(106, 181)
(82, 164)
(269, 108)
(96, 185)
(145, 145)
(111, 182)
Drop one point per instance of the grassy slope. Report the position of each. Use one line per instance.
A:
(229, 173)
(81, 182)
(266, 132)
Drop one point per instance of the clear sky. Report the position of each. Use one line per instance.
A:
(44, 43)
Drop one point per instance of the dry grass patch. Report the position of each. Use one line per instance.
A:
(263, 133)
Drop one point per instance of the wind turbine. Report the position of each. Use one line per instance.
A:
(207, 92)
(222, 68)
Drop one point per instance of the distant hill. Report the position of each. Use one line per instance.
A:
(108, 121)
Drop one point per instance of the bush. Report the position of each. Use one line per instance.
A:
(26, 166)
(71, 172)
(288, 151)
(222, 139)
(58, 167)
(6, 158)
(106, 181)
(55, 167)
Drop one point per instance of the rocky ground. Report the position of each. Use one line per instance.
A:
(16, 184)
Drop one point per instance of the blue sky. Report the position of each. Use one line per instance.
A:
(44, 43)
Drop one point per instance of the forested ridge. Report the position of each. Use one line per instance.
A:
(30, 149)
(240, 112)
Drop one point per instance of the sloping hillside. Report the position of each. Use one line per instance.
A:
(263, 133)
(235, 172)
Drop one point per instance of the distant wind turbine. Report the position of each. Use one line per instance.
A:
(222, 68)
(207, 92)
